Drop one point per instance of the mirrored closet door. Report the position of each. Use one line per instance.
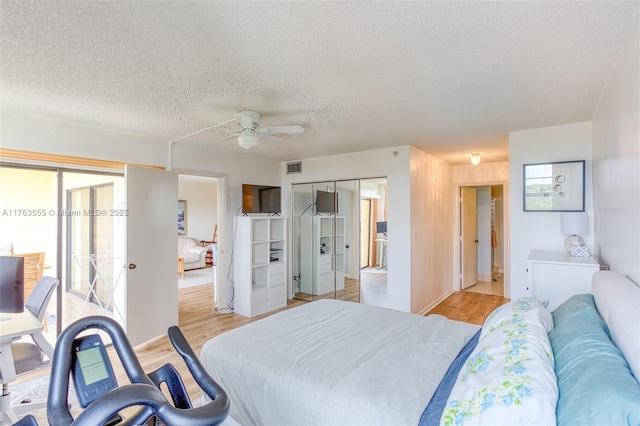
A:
(326, 240)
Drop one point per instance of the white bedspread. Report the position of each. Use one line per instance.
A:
(334, 363)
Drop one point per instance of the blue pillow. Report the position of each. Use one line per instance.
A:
(595, 384)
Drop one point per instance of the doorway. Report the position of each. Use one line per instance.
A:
(482, 239)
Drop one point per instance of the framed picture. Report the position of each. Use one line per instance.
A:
(554, 187)
(182, 217)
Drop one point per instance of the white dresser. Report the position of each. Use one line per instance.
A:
(556, 275)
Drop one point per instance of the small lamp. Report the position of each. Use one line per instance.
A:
(573, 224)
(248, 140)
(475, 159)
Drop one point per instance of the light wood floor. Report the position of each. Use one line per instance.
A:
(370, 290)
(468, 306)
(495, 288)
(199, 323)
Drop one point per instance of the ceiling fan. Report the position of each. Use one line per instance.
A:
(250, 131)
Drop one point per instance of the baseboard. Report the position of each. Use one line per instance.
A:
(484, 277)
(436, 302)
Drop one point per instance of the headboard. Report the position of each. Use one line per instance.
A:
(618, 301)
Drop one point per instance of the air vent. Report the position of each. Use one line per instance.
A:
(294, 167)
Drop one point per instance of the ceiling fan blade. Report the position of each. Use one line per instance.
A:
(235, 135)
(270, 138)
(229, 130)
(281, 129)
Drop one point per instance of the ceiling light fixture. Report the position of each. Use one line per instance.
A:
(475, 159)
(248, 140)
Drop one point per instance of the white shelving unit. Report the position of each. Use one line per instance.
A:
(260, 265)
(322, 256)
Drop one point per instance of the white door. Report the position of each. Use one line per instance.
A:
(468, 238)
(151, 253)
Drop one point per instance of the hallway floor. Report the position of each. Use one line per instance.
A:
(495, 287)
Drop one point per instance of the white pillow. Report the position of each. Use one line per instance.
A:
(618, 302)
(518, 310)
(509, 379)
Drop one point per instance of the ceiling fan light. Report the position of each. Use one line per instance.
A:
(475, 159)
(247, 141)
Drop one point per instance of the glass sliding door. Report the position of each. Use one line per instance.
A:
(94, 244)
(91, 244)
(79, 241)
(63, 212)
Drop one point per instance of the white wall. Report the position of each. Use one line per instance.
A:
(541, 230)
(201, 195)
(482, 174)
(411, 174)
(431, 230)
(30, 134)
(616, 165)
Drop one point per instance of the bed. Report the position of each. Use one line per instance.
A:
(340, 363)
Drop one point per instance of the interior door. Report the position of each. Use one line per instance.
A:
(468, 237)
(151, 252)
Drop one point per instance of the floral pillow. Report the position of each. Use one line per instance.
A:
(523, 309)
(509, 378)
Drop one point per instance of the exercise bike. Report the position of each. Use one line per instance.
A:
(84, 359)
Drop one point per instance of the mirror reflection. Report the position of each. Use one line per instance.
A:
(339, 240)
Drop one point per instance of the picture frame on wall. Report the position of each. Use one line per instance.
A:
(554, 187)
(182, 217)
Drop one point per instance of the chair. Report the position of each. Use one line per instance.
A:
(30, 356)
(210, 245)
(33, 266)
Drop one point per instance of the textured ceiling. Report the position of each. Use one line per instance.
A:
(448, 77)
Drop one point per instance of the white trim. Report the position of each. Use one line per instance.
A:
(436, 302)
